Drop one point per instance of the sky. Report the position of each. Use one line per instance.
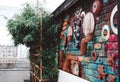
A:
(10, 7)
(49, 4)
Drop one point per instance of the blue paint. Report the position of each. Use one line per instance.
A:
(105, 1)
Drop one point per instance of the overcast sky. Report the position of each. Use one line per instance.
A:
(10, 7)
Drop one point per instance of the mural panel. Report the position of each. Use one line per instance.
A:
(89, 42)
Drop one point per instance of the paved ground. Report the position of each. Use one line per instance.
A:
(14, 75)
(14, 72)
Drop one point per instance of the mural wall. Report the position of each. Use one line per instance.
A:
(89, 41)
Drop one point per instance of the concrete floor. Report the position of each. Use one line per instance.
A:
(14, 75)
(15, 72)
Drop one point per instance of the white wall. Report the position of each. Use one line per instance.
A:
(22, 51)
(67, 77)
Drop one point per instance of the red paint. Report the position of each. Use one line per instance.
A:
(96, 7)
(112, 45)
(113, 37)
(115, 53)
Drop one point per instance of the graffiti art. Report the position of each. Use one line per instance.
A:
(105, 32)
(111, 46)
(113, 27)
(96, 7)
(66, 35)
(101, 74)
(111, 78)
(88, 29)
(88, 23)
(75, 67)
(66, 64)
(110, 60)
(105, 1)
(90, 44)
(94, 55)
(77, 35)
(78, 12)
(113, 38)
(97, 46)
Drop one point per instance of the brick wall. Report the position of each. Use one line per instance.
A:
(105, 48)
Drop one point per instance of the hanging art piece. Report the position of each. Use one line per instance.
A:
(75, 67)
(94, 55)
(113, 27)
(88, 29)
(77, 35)
(96, 7)
(88, 24)
(77, 27)
(105, 32)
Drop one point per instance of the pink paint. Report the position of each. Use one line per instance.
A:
(113, 53)
(114, 68)
(112, 45)
(113, 37)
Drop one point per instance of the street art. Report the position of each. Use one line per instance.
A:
(110, 60)
(105, 1)
(113, 27)
(77, 27)
(89, 42)
(96, 7)
(111, 78)
(94, 55)
(77, 35)
(105, 32)
(88, 29)
(101, 74)
(75, 67)
(97, 46)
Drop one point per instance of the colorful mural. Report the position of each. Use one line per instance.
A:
(89, 42)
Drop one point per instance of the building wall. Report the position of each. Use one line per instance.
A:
(92, 56)
(22, 51)
(8, 51)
